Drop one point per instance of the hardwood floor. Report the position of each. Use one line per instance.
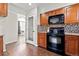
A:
(22, 49)
(16, 49)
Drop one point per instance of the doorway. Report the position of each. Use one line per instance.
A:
(21, 28)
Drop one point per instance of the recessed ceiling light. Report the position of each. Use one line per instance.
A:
(30, 4)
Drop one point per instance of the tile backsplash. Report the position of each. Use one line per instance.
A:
(72, 28)
(69, 28)
(42, 28)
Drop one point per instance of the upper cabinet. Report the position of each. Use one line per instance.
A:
(43, 19)
(51, 13)
(60, 11)
(78, 12)
(71, 14)
(3, 9)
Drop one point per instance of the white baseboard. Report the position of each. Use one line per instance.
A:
(10, 42)
(4, 50)
(35, 45)
(30, 42)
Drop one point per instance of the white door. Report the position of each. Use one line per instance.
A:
(30, 29)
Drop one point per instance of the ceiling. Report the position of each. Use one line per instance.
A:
(25, 7)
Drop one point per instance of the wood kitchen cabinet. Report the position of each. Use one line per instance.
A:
(1, 45)
(42, 40)
(43, 19)
(51, 13)
(71, 14)
(3, 9)
(60, 11)
(78, 12)
(56, 12)
(72, 45)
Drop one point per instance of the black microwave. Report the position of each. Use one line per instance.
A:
(57, 19)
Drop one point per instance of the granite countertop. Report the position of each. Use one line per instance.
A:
(42, 32)
(72, 34)
(65, 33)
(42, 29)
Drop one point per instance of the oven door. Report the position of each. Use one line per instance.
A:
(55, 40)
(55, 43)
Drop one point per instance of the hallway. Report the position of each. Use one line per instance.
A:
(21, 39)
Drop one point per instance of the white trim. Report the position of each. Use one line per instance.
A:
(35, 45)
(10, 42)
(30, 42)
(4, 50)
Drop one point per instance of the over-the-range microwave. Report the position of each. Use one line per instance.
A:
(57, 19)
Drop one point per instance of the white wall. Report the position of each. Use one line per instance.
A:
(9, 29)
(33, 13)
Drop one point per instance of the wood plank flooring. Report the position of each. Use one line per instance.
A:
(22, 49)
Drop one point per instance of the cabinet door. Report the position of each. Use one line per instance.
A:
(3, 9)
(71, 14)
(43, 19)
(42, 40)
(71, 45)
(51, 13)
(1, 45)
(78, 12)
(60, 11)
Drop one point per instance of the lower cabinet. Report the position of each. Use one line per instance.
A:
(42, 40)
(1, 45)
(72, 45)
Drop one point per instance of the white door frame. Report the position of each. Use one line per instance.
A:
(28, 41)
